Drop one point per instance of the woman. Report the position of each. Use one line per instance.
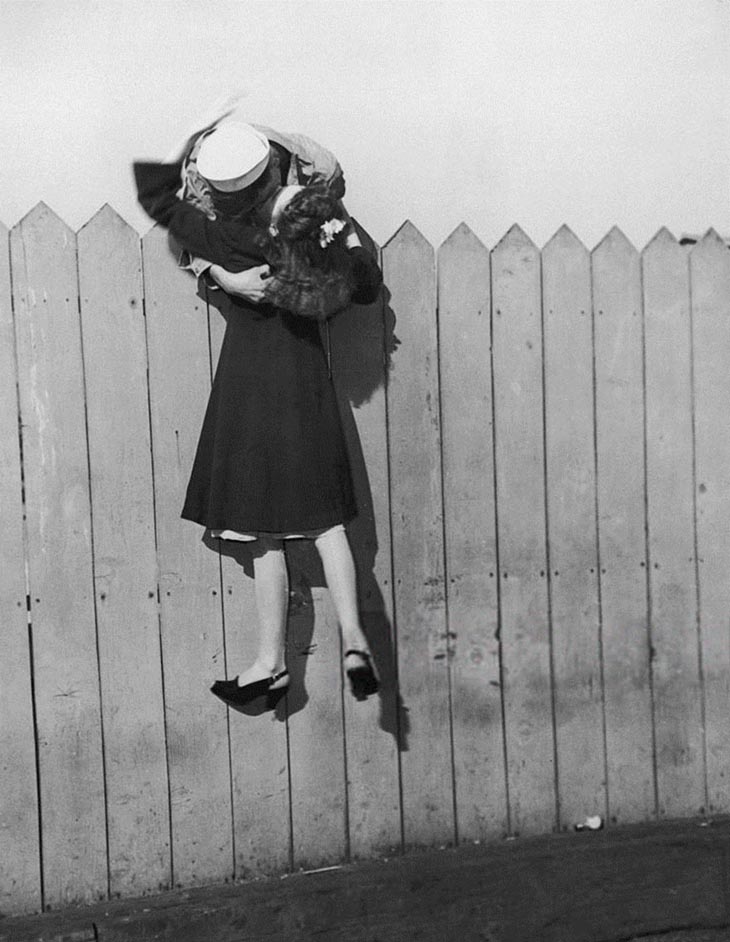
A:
(271, 462)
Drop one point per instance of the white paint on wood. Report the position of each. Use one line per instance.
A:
(417, 534)
(617, 309)
(470, 533)
(675, 667)
(571, 504)
(524, 630)
(20, 887)
(710, 276)
(125, 563)
(73, 819)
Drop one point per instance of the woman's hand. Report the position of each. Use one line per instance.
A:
(249, 284)
(352, 239)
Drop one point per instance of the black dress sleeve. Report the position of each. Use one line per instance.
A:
(219, 241)
(368, 277)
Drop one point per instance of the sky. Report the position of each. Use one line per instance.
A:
(590, 113)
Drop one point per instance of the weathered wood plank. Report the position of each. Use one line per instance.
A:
(125, 562)
(470, 535)
(259, 762)
(676, 677)
(710, 279)
(190, 603)
(45, 286)
(20, 888)
(315, 718)
(417, 534)
(617, 306)
(571, 505)
(526, 669)
(360, 341)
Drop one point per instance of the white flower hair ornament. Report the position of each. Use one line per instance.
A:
(328, 230)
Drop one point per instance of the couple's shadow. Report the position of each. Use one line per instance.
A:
(361, 342)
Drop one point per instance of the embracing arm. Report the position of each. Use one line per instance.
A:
(157, 185)
(249, 284)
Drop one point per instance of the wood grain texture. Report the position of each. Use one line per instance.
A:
(710, 280)
(417, 535)
(259, 760)
(526, 669)
(20, 888)
(476, 461)
(314, 704)
(125, 562)
(618, 306)
(571, 506)
(676, 676)
(190, 585)
(361, 342)
(51, 386)
(470, 534)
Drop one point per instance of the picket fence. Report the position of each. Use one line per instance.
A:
(541, 446)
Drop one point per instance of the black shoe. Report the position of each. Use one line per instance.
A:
(363, 679)
(234, 695)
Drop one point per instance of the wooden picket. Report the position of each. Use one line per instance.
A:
(520, 462)
(674, 616)
(20, 878)
(71, 774)
(471, 535)
(621, 503)
(540, 453)
(125, 564)
(571, 504)
(710, 270)
(417, 536)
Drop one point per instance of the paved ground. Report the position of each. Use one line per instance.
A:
(634, 884)
(690, 935)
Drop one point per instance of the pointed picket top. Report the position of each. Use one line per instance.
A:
(155, 237)
(41, 217)
(463, 236)
(711, 242)
(662, 241)
(107, 217)
(564, 240)
(615, 243)
(515, 238)
(407, 234)
(709, 260)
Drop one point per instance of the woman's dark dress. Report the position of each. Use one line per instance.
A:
(271, 455)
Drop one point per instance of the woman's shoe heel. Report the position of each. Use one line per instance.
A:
(259, 696)
(363, 679)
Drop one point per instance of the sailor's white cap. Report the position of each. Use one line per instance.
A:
(233, 155)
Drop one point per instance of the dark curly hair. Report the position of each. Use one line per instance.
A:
(308, 278)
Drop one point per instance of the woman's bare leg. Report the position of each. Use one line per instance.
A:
(339, 571)
(271, 588)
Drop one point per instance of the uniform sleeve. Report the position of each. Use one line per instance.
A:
(210, 240)
(312, 163)
(368, 277)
